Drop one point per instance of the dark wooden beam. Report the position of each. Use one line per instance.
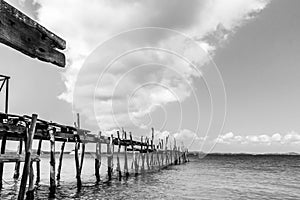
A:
(27, 36)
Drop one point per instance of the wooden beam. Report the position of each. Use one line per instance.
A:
(27, 36)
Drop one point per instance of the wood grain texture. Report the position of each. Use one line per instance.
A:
(27, 36)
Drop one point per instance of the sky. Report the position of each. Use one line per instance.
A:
(252, 47)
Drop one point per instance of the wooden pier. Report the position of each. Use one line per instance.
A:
(25, 129)
(27, 36)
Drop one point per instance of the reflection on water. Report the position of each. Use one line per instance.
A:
(214, 177)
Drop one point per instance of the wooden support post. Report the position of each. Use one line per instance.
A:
(109, 158)
(175, 152)
(17, 166)
(27, 164)
(82, 156)
(125, 154)
(77, 163)
(157, 156)
(171, 154)
(62, 148)
(118, 159)
(3, 146)
(152, 148)
(179, 156)
(166, 151)
(142, 155)
(30, 192)
(98, 158)
(162, 152)
(147, 154)
(38, 170)
(135, 164)
(52, 163)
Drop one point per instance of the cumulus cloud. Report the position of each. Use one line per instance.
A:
(276, 138)
(87, 24)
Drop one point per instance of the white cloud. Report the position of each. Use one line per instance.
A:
(85, 25)
(277, 138)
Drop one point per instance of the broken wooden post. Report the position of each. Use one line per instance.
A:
(17, 166)
(52, 163)
(27, 164)
(109, 158)
(38, 170)
(60, 160)
(118, 159)
(98, 158)
(125, 156)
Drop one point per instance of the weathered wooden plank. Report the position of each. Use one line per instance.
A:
(27, 36)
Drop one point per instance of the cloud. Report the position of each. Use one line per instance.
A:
(277, 138)
(85, 25)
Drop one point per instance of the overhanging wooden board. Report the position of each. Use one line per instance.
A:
(24, 34)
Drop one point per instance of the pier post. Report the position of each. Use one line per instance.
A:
(3, 145)
(30, 192)
(62, 148)
(17, 166)
(125, 154)
(109, 158)
(98, 158)
(77, 162)
(142, 155)
(82, 156)
(27, 164)
(147, 154)
(52, 163)
(135, 164)
(152, 148)
(38, 168)
(118, 159)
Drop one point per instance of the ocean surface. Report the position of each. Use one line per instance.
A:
(212, 177)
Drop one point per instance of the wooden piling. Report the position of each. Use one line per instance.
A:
(82, 156)
(27, 164)
(52, 187)
(78, 178)
(3, 145)
(135, 164)
(60, 160)
(30, 192)
(109, 158)
(98, 159)
(17, 166)
(118, 159)
(125, 157)
(77, 164)
(152, 148)
(147, 154)
(143, 156)
(38, 170)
